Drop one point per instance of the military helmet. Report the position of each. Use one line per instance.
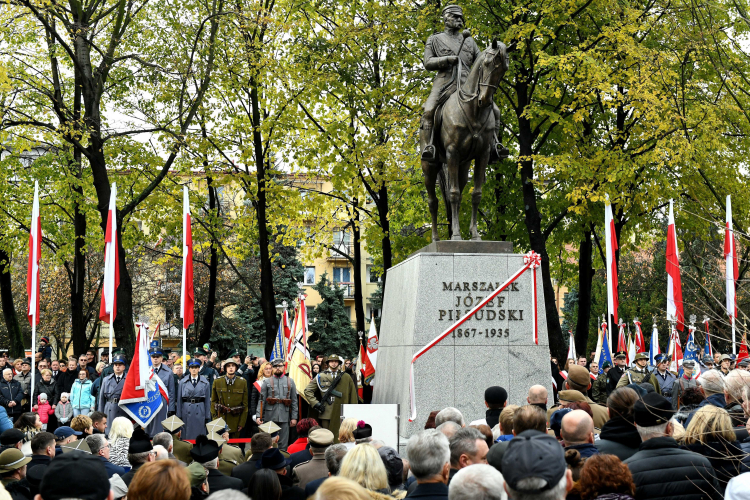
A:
(334, 357)
(641, 355)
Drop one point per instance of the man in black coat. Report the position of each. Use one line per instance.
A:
(660, 468)
(432, 478)
(260, 442)
(206, 452)
(11, 394)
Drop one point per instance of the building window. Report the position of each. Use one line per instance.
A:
(372, 313)
(340, 238)
(309, 310)
(372, 276)
(341, 275)
(309, 276)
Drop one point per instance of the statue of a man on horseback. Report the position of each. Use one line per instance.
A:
(461, 121)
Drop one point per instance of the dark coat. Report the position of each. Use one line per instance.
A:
(48, 388)
(620, 438)
(11, 391)
(245, 471)
(128, 476)
(218, 481)
(493, 417)
(727, 459)
(111, 468)
(300, 457)
(661, 470)
(65, 380)
(714, 399)
(430, 491)
(38, 460)
(19, 490)
(312, 486)
(586, 450)
(289, 491)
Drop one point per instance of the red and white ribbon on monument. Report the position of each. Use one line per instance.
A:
(531, 260)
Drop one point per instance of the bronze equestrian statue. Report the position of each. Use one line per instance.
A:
(461, 121)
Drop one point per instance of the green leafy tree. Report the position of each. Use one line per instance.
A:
(330, 328)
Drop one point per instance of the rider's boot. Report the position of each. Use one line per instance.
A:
(429, 153)
(497, 150)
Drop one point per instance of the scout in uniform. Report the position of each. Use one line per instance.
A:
(327, 392)
(278, 401)
(194, 401)
(166, 377)
(229, 398)
(639, 373)
(180, 449)
(110, 391)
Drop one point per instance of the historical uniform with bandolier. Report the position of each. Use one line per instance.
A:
(441, 54)
(229, 399)
(278, 401)
(327, 392)
(110, 391)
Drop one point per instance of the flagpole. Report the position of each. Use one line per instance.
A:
(734, 339)
(184, 346)
(33, 360)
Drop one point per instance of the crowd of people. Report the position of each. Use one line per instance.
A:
(627, 433)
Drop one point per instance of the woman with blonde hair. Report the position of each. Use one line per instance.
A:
(119, 441)
(340, 488)
(264, 371)
(346, 432)
(363, 465)
(710, 434)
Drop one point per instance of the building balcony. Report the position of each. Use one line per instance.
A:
(348, 289)
(341, 251)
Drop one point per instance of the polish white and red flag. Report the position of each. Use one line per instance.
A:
(732, 268)
(35, 252)
(371, 353)
(571, 346)
(640, 342)
(187, 295)
(611, 244)
(108, 307)
(674, 283)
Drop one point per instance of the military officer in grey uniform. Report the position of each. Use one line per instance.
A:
(166, 378)
(441, 55)
(194, 401)
(110, 391)
(278, 401)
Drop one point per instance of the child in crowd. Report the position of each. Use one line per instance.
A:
(64, 409)
(44, 409)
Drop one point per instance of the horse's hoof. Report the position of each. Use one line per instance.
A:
(476, 238)
(456, 237)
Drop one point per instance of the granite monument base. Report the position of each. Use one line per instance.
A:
(424, 296)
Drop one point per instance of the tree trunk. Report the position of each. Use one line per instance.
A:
(15, 349)
(213, 267)
(585, 279)
(385, 226)
(78, 280)
(267, 303)
(359, 310)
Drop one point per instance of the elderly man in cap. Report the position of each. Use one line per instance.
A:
(685, 382)
(194, 401)
(639, 373)
(441, 54)
(278, 401)
(320, 440)
(206, 452)
(616, 372)
(24, 378)
(527, 477)
(327, 392)
(81, 476)
(181, 449)
(13, 465)
(166, 377)
(110, 391)
(229, 399)
(660, 468)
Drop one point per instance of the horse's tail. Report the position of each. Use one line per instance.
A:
(442, 179)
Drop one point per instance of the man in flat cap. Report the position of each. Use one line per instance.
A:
(278, 401)
(640, 373)
(320, 440)
(229, 399)
(166, 377)
(327, 392)
(111, 390)
(660, 468)
(441, 55)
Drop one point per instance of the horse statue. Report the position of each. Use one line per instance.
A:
(465, 131)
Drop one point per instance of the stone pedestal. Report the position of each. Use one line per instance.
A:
(426, 294)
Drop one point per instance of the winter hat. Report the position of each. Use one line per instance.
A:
(139, 442)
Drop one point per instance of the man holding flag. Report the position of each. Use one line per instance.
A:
(169, 400)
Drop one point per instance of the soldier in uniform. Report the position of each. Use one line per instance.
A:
(110, 391)
(166, 377)
(278, 401)
(327, 410)
(441, 55)
(639, 373)
(180, 449)
(599, 386)
(194, 401)
(616, 372)
(229, 398)
(320, 440)
(662, 375)
(685, 382)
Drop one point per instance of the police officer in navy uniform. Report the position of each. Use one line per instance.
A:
(166, 377)
(110, 391)
(194, 401)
